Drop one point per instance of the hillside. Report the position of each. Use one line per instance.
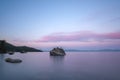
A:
(9, 47)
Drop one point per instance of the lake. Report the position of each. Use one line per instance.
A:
(73, 66)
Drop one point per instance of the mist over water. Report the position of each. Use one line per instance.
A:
(73, 66)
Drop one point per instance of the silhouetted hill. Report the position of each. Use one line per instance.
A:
(27, 49)
(10, 47)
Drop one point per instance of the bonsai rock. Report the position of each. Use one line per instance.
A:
(57, 52)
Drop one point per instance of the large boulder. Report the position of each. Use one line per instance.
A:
(57, 52)
(10, 60)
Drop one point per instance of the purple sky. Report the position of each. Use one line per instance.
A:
(71, 24)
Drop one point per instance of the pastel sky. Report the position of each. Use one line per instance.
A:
(71, 24)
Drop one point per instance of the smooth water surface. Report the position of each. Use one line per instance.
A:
(73, 66)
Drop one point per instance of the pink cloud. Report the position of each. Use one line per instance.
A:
(79, 36)
(80, 39)
(114, 35)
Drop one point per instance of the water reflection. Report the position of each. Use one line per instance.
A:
(2, 59)
(57, 59)
(2, 64)
(57, 63)
(2, 56)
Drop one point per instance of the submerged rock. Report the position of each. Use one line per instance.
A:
(11, 53)
(23, 52)
(13, 60)
(57, 52)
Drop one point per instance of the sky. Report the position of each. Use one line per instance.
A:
(71, 24)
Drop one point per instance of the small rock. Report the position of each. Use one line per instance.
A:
(10, 60)
(10, 53)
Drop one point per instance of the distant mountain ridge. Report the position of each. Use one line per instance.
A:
(9, 47)
(73, 50)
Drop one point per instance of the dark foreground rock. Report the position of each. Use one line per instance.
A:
(13, 60)
(57, 52)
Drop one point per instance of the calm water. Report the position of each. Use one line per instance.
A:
(74, 66)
